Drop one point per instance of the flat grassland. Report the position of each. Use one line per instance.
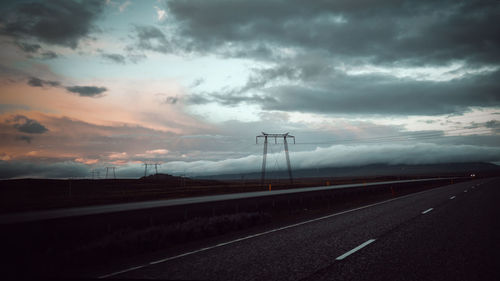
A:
(22, 195)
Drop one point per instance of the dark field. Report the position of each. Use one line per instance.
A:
(37, 194)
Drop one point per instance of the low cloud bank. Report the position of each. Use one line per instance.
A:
(20, 169)
(346, 156)
(334, 156)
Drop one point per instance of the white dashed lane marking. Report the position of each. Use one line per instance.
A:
(426, 211)
(355, 250)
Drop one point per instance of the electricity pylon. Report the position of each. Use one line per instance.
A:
(285, 143)
(112, 169)
(151, 164)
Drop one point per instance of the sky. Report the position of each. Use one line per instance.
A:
(86, 85)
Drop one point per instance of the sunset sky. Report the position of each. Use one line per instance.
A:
(92, 84)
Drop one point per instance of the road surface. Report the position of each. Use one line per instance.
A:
(447, 233)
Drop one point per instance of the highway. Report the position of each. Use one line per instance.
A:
(446, 233)
(113, 208)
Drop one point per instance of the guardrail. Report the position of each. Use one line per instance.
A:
(235, 198)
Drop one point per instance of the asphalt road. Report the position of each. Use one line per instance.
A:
(447, 233)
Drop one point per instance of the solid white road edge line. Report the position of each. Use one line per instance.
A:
(260, 234)
(345, 255)
(121, 271)
(426, 211)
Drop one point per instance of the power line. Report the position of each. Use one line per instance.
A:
(400, 137)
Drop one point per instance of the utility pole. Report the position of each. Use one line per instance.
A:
(264, 155)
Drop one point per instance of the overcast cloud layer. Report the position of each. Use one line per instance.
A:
(309, 43)
(90, 84)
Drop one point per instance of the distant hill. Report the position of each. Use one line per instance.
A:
(372, 171)
(160, 177)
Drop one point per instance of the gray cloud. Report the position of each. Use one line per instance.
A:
(59, 22)
(87, 91)
(34, 50)
(385, 95)
(28, 47)
(320, 89)
(83, 91)
(116, 58)
(413, 32)
(348, 156)
(494, 125)
(333, 156)
(37, 82)
(151, 38)
(25, 169)
(197, 82)
(311, 44)
(171, 100)
(27, 139)
(136, 57)
(25, 125)
(230, 99)
(48, 55)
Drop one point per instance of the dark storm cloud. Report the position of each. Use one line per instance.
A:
(37, 82)
(117, 58)
(59, 22)
(339, 93)
(87, 91)
(387, 95)
(413, 32)
(309, 42)
(25, 125)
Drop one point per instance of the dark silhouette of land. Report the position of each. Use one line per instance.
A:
(20, 195)
(83, 246)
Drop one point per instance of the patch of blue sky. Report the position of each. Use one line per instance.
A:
(216, 73)
(120, 23)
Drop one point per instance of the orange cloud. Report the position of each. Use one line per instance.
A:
(157, 151)
(118, 155)
(120, 106)
(87, 161)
